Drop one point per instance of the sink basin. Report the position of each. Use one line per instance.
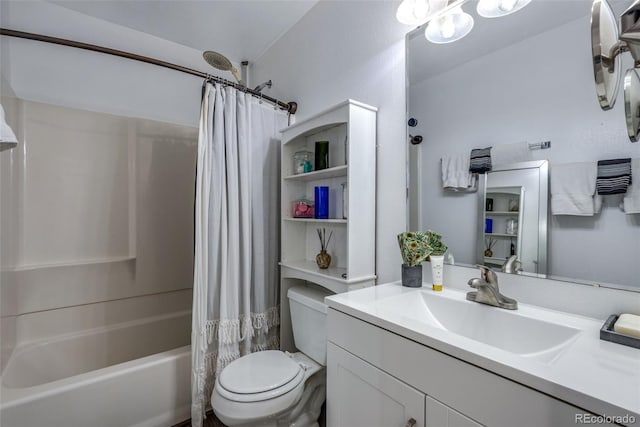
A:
(507, 330)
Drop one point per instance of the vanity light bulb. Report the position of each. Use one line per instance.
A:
(507, 5)
(420, 9)
(447, 26)
(412, 12)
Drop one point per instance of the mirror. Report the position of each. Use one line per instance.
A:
(520, 79)
(513, 205)
(632, 103)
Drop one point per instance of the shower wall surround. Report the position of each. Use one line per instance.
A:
(94, 208)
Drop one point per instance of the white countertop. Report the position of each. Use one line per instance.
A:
(599, 376)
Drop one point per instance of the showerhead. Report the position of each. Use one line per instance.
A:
(261, 86)
(221, 62)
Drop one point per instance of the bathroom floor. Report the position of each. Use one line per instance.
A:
(210, 421)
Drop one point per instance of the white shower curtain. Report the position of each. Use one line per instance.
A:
(235, 289)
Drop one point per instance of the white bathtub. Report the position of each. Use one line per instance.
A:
(129, 374)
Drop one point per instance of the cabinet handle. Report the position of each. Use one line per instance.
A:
(410, 423)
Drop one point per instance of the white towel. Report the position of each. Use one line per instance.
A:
(573, 186)
(631, 202)
(510, 153)
(455, 173)
(6, 133)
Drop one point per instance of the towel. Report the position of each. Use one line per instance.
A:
(480, 160)
(510, 153)
(6, 133)
(455, 173)
(573, 186)
(631, 202)
(614, 176)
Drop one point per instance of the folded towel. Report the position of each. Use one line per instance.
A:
(510, 153)
(455, 173)
(480, 160)
(614, 176)
(631, 202)
(573, 186)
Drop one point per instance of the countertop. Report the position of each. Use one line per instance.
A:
(599, 376)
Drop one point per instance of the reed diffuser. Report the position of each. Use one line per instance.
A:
(323, 259)
(489, 244)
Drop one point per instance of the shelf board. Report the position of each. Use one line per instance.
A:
(495, 260)
(499, 213)
(333, 172)
(322, 221)
(500, 235)
(331, 278)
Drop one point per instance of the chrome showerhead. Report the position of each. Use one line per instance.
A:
(261, 86)
(221, 62)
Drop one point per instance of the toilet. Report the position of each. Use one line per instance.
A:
(276, 388)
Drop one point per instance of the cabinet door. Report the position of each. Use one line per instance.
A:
(440, 415)
(361, 395)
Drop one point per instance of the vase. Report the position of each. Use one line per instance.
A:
(412, 276)
(323, 259)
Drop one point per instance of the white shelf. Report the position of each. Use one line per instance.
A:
(333, 172)
(501, 213)
(495, 260)
(322, 221)
(500, 235)
(350, 129)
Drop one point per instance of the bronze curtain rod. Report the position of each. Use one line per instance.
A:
(291, 107)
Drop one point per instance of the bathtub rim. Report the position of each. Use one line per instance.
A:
(10, 397)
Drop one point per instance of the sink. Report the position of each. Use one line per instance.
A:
(504, 329)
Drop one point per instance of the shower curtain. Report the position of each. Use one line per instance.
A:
(235, 288)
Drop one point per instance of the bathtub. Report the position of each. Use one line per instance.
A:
(136, 373)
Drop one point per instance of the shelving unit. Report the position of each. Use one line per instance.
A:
(503, 200)
(350, 128)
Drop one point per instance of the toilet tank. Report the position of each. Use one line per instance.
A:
(309, 320)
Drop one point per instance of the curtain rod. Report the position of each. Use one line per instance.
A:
(291, 107)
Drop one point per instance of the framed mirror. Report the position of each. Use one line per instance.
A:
(519, 80)
(632, 103)
(513, 217)
(606, 61)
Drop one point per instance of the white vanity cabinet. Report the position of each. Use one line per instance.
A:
(376, 378)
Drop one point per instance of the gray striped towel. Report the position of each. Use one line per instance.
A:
(480, 160)
(614, 176)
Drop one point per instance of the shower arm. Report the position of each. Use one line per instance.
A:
(290, 107)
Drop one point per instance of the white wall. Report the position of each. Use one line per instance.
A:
(536, 90)
(93, 81)
(352, 49)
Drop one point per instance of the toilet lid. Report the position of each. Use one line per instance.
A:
(260, 372)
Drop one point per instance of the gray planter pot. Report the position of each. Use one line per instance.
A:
(412, 276)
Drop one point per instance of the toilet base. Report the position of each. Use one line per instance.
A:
(304, 413)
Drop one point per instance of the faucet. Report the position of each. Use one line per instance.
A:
(488, 291)
(512, 265)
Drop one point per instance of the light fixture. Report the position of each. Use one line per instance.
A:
(413, 12)
(447, 21)
(449, 27)
(498, 8)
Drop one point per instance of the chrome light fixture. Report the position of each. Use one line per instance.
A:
(449, 27)
(447, 21)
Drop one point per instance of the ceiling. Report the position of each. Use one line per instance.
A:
(239, 29)
(427, 59)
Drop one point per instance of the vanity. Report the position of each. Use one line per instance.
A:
(402, 356)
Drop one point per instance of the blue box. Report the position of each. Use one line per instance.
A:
(488, 225)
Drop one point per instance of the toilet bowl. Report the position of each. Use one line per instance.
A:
(276, 388)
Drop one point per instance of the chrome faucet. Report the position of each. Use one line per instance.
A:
(512, 265)
(488, 291)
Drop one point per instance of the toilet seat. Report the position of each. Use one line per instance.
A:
(260, 376)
